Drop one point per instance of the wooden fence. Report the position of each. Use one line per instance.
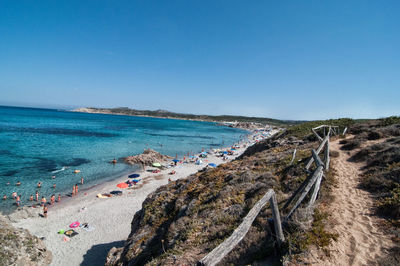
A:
(312, 181)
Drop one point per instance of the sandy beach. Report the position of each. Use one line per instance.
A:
(110, 217)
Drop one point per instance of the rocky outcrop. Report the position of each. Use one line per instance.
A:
(148, 157)
(19, 247)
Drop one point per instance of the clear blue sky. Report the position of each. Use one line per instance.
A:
(278, 59)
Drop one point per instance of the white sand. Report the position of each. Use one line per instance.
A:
(111, 217)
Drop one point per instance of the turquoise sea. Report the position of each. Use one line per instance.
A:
(36, 144)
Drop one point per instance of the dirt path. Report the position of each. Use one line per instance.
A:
(360, 240)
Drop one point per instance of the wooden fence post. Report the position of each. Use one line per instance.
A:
(327, 158)
(294, 155)
(277, 220)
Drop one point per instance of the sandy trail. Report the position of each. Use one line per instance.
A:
(360, 241)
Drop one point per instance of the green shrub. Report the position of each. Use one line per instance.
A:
(390, 206)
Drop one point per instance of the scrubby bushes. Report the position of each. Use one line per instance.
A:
(349, 145)
(382, 162)
(304, 129)
(390, 206)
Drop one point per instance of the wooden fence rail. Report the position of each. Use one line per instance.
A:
(218, 253)
(313, 180)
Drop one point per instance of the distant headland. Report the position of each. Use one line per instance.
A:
(231, 120)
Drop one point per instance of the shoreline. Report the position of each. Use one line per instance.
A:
(110, 217)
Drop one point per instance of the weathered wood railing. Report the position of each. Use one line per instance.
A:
(218, 253)
(313, 180)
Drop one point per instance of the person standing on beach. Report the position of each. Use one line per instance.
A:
(76, 189)
(43, 201)
(37, 196)
(54, 186)
(59, 197)
(45, 210)
(14, 195)
(82, 180)
(53, 199)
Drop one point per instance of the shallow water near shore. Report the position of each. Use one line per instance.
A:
(36, 144)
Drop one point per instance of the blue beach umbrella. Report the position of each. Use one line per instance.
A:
(212, 164)
(175, 160)
(224, 152)
(134, 175)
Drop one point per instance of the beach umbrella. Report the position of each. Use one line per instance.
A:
(122, 185)
(224, 152)
(175, 160)
(212, 164)
(156, 164)
(136, 180)
(134, 176)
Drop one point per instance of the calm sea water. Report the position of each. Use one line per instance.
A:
(36, 144)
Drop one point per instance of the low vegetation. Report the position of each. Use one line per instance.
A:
(183, 221)
(304, 129)
(19, 247)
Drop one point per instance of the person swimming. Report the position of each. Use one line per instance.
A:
(54, 186)
(18, 183)
(82, 180)
(31, 198)
(37, 196)
(18, 200)
(39, 184)
(14, 195)
(4, 197)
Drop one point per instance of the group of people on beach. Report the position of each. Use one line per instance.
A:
(43, 200)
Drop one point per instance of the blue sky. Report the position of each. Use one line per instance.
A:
(281, 59)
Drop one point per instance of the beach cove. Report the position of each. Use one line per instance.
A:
(48, 146)
(109, 218)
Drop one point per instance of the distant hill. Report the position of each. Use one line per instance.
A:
(168, 114)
